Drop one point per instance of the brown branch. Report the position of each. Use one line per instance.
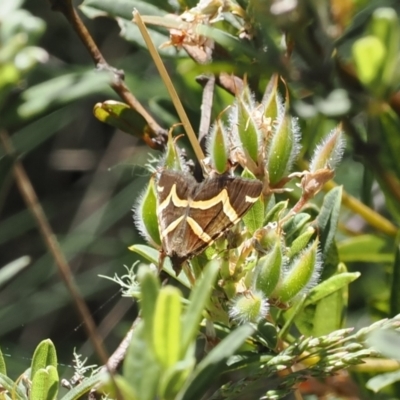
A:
(28, 193)
(158, 135)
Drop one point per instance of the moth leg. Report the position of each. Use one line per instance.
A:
(161, 259)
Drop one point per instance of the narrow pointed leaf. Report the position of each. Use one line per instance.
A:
(150, 288)
(197, 302)
(330, 285)
(253, 219)
(84, 387)
(140, 367)
(213, 364)
(327, 221)
(3, 368)
(394, 291)
(152, 255)
(378, 382)
(11, 269)
(15, 391)
(167, 326)
(368, 248)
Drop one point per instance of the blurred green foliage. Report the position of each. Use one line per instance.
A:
(340, 63)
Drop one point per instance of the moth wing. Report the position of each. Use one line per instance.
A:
(219, 203)
(173, 190)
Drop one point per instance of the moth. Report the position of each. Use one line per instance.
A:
(192, 215)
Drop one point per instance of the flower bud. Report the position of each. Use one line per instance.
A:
(249, 307)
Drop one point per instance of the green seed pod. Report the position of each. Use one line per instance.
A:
(245, 130)
(329, 151)
(269, 270)
(217, 147)
(271, 98)
(302, 274)
(283, 148)
(300, 243)
(172, 157)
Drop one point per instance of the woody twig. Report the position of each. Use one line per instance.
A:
(157, 137)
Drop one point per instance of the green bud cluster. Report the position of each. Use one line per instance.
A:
(277, 258)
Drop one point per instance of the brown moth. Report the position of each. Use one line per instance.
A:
(192, 215)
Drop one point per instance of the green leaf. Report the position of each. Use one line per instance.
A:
(44, 128)
(149, 289)
(121, 116)
(84, 387)
(198, 299)
(253, 219)
(328, 315)
(386, 341)
(145, 215)
(140, 367)
(175, 377)
(118, 8)
(384, 25)
(274, 213)
(378, 382)
(389, 126)
(12, 269)
(238, 49)
(167, 334)
(323, 309)
(368, 248)
(327, 221)
(329, 286)
(394, 291)
(152, 255)
(212, 365)
(300, 243)
(268, 333)
(335, 104)
(44, 355)
(3, 369)
(45, 384)
(121, 11)
(124, 388)
(295, 224)
(369, 55)
(61, 90)
(15, 391)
